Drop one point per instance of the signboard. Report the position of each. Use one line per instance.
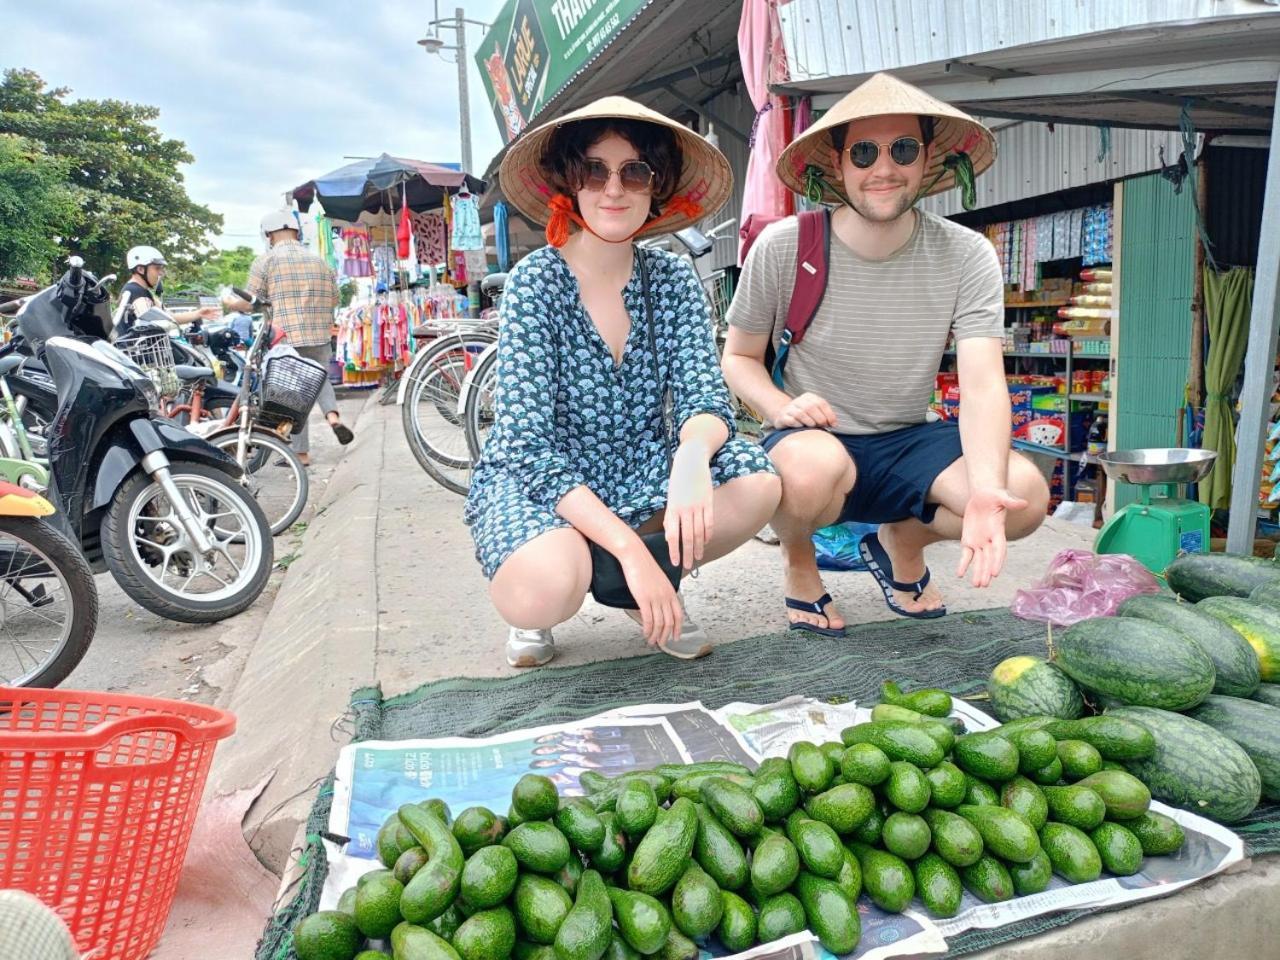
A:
(536, 47)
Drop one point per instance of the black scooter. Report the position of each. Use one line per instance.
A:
(156, 505)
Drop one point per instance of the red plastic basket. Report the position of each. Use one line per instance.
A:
(98, 795)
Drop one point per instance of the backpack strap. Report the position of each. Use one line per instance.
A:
(813, 254)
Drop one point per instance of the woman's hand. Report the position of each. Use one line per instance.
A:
(657, 602)
(688, 521)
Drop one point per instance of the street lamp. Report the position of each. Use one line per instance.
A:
(433, 44)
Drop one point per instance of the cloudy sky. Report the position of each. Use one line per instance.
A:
(265, 93)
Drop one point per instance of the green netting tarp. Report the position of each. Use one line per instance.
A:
(956, 652)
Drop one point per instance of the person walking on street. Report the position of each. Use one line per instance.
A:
(848, 407)
(595, 333)
(303, 294)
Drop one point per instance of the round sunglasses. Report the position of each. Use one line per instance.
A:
(636, 176)
(904, 152)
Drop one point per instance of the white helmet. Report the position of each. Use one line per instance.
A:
(143, 257)
(279, 220)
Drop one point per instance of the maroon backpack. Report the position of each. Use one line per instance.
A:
(813, 253)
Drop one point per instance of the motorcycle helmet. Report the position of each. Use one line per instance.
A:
(143, 257)
(278, 220)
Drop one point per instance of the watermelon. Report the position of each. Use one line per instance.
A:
(1254, 726)
(1195, 767)
(1031, 687)
(1234, 663)
(1199, 575)
(1267, 594)
(1258, 624)
(1135, 662)
(1267, 693)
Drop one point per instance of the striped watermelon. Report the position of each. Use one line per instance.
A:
(1031, 687)
(1135, 662)
(1267, 693)
(1255, 727)
(1199, 575)
(1235, 664)
(1267, 594)
(1195, 767)
(1258, 624)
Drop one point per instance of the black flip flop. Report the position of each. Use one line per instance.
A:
(819, 607)
(342, 432)
(877, 560)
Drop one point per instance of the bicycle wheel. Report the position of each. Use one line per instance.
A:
(48, 604)
(478, 413)
(432, 426)
(273, 475)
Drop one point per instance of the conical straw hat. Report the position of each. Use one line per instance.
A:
(884, 95)
(705, 175)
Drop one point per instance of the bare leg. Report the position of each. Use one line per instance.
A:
(544, 582)
(817, 475)
(905, 540)
(739, 508)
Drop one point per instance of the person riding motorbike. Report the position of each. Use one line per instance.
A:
(145, 288)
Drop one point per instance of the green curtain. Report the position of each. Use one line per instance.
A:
(1228, 298)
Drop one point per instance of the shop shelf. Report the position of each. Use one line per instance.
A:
(1095, 397)
(1021, 304)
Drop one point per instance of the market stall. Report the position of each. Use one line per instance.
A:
(407, 234)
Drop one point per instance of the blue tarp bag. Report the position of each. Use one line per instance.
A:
(837, 545)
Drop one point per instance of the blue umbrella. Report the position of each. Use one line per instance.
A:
(377, 186)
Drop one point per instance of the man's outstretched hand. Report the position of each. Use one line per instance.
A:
(982, 539)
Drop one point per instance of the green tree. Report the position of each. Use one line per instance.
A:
(123, 171)
(208, 273)
(35, 206)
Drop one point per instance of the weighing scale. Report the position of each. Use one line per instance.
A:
(1161, 524)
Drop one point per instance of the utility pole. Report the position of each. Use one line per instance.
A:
(433, 44)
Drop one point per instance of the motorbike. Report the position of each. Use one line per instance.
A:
(159, 507)
(48, 599)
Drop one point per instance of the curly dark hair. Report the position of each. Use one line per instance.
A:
(564, 160)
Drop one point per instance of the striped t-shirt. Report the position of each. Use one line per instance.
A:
(876, 342)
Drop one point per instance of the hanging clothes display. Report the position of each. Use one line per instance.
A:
(404, 234)
(384, 265)
(429, 237)
(502, 236)
(356, 262)
(466, 222)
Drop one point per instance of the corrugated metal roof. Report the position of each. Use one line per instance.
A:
(1033, 160)
(835, 38)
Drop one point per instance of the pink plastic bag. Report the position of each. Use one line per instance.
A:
(1080, 585)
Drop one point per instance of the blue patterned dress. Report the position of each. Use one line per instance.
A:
(567, 416)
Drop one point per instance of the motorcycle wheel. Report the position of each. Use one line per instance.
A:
(273, 474)
(154, 561)
(48, 604)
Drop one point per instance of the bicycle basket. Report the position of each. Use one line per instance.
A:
(154, 354)
(290, 386)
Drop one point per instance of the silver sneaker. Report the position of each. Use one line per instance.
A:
(692, 643)
(530, 648)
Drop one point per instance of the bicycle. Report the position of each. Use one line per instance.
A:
(432, 391)
(276, 393)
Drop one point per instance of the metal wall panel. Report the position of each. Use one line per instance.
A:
(1032, 160)
(832, 38)
(1156, 285)
(736, 107)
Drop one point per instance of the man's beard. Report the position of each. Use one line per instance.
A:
(865, 211)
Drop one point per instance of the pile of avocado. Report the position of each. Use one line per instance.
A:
(651, 863)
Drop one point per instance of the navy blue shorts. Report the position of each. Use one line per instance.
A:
(895, 469)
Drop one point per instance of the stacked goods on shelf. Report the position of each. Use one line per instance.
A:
(1088, 316)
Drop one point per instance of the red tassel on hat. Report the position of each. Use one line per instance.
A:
(558, 226)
